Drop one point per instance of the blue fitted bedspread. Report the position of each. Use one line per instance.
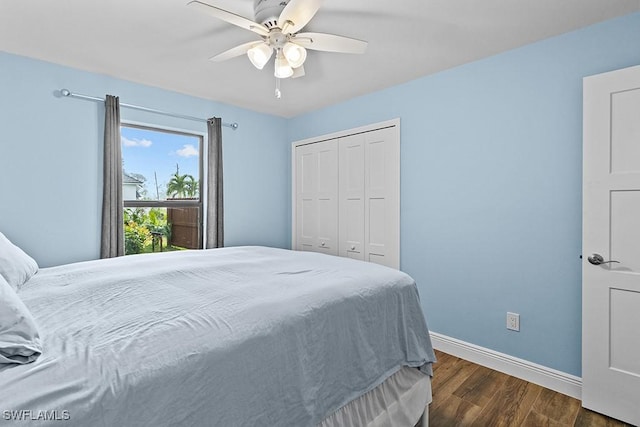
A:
(244, 336)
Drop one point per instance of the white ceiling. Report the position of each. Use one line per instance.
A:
(165, 44)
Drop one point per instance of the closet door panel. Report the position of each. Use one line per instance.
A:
(377, 174)
(351, 201)
(306, 183)
(307, 224)
(327, 197)
(317, 197)
(327, 226)
(377, 220)
(307, 163)
(327, 168)
(382, 178)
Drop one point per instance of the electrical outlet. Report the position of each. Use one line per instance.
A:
(513, 321)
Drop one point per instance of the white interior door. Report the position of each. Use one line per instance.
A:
(611, 231)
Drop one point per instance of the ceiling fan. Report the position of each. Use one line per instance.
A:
(278, 23)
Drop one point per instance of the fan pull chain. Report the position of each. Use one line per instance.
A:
(278, 93)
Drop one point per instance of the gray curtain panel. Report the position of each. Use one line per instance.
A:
(112, 244)
(215, 206)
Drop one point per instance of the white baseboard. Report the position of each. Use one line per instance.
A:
(546, 377)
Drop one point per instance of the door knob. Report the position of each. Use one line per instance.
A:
(596, 259)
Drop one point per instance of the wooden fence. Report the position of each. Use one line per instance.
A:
(184, 227)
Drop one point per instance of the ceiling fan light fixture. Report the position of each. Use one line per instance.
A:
(278, 23)
(259, 55)
(283, 69)
(295, 54)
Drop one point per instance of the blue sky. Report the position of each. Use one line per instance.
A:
(146, 151)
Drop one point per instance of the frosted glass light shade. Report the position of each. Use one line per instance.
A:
(295, 54)
(283, 69)
(259, 55)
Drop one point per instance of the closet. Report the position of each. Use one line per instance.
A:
(346, 194)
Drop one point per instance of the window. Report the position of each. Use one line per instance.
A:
(161, 189)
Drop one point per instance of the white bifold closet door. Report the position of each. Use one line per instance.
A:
(317, 197)
(368, 197)
(347, 194)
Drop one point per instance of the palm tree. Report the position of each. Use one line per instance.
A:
(176, 186)
(191, 186)
(182, 186)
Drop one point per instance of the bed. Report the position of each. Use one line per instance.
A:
(242, 336)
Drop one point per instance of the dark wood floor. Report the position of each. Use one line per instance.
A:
(466, 394)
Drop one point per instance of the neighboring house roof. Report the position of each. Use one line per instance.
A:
(128, 179)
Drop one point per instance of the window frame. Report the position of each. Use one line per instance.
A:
(184, 203)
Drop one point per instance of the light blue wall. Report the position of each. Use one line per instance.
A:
(491, 178)
(491, 187)
(51, 156)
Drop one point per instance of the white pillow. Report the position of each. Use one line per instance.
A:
(19, 337)
(15, 266)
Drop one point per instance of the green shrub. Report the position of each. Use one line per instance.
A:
(135, 237)
(139, 223)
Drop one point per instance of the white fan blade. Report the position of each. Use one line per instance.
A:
(297, 13)
(229, 17)
(329, 43)
(234, 51)
(298, 72)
